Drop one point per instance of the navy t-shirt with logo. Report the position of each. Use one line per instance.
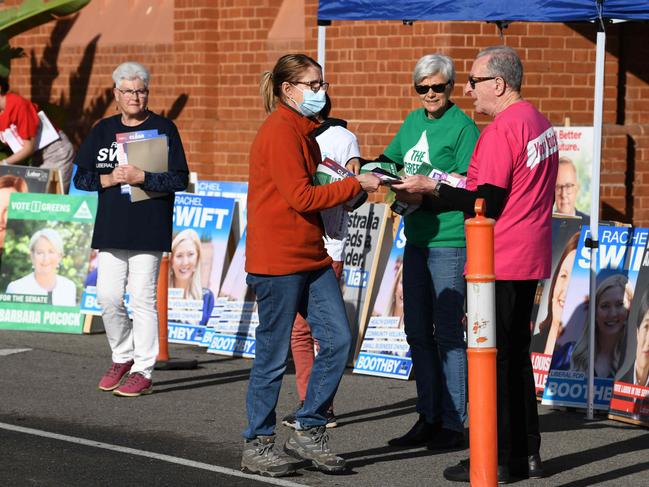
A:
(144, 225)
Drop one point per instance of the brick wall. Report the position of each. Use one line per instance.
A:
(206, 76)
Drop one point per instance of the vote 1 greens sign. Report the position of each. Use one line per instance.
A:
(45, 261)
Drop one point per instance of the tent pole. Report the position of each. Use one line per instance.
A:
(594, 210)
(322, 37)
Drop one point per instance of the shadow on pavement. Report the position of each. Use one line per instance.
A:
(559, 420)
(593, 455)
(386, 454)
(200, 381)
(408, 403)
(611, 475)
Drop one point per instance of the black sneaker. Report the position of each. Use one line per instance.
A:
(420, 434)
(289, 419)
(260, 457)
(313, 445)
(461, 473)
(446, 439)
(332, 422)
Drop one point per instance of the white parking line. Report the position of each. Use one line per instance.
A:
(10, 351)
(148, 454)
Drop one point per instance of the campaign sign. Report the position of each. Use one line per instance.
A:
(89, 304)
(570, 388)
(363, 245)
(228, 189)
(45, 261)
(630, 402)
(383, 366)
(19, 179)
(234, 330)
(30, 179)
(550, 297)
(231, 330)
(219, 307)
(619, 257)
(385, 351)
(573, 185)
(202, 226)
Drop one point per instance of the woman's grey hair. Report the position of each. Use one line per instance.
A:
(131, 70)
(504, 62)
(432, 64)
(50, 235)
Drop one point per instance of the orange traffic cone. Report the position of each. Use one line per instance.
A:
(163, 362)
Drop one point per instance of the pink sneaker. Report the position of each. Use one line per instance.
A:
(113, 376)
(134, 385)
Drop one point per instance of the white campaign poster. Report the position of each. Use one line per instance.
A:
(573, 187)
(385, 351)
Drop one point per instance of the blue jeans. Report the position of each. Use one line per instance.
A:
(433, 306)
(316, 295)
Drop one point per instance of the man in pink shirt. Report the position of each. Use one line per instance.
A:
(514, 168)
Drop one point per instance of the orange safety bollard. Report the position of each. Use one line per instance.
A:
(163, 362)
(481, 348)
(163, 301)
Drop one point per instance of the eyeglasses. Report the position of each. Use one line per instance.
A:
(132, 93)
(437, 88)
(314, 85)
(479, 79)
(568, 188)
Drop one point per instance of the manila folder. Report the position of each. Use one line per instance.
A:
(151, 155)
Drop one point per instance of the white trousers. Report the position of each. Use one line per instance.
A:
(135, 272)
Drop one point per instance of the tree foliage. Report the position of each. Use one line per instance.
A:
(26, 16)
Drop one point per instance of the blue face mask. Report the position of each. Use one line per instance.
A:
(313, 103)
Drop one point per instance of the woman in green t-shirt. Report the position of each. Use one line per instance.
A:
(436, 137)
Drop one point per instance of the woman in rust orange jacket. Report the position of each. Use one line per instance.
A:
(289, 269)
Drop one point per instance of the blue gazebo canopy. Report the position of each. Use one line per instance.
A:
(485, 10)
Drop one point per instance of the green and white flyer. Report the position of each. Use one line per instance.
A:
(45, 262)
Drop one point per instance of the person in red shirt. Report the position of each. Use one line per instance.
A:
(21, 115)
(289, 269)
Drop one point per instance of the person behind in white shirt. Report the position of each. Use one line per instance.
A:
(339, 144)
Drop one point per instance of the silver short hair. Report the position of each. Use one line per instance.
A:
(52, 236)
(432, 64)
(504, 62)
(131, 70)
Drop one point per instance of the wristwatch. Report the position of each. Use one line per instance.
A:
(435, 191)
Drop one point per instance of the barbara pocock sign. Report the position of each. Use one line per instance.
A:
(45, 262)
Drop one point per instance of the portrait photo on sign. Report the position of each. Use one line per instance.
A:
(189, 272)
(48, 259)
(572, 190)
(635, 366)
